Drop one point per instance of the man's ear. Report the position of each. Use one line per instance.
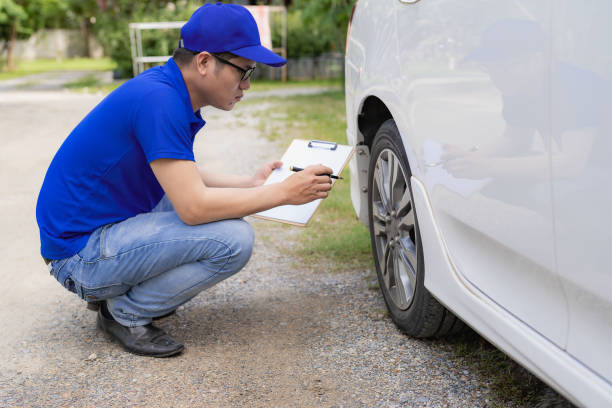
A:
(203, 62)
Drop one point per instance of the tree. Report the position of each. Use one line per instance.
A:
(83, 12)
(11, 14)
(21, 18)
(113, 32)
(327, 19)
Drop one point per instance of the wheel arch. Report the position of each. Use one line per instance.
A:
(372, 114)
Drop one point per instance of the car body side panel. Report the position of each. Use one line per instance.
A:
(372, 60)
(478, 118)
(582, 174)
(549, 362)
(517, 274)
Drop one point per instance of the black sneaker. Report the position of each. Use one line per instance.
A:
(146, 340)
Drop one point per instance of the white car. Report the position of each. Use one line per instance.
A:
(483, 132)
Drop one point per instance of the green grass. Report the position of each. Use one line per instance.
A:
(334, 239)
(91, 84)
(87, 81)
(87, 87)
(26, 67)
(509, 382)
(258, 85)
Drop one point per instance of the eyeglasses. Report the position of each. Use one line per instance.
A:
(246, 73)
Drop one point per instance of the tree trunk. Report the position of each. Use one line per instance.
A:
(10, 57)
(313, 72)
(85, 32)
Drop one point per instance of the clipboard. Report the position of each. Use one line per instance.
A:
(303, 153)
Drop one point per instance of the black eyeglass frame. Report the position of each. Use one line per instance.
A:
(246, 73)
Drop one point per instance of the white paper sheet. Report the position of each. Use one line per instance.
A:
(300, 155)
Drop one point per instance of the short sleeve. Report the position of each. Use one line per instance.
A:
(162, 126)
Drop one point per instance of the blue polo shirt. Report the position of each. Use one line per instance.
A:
(101, 173)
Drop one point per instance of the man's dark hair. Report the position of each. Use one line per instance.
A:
(183, 57)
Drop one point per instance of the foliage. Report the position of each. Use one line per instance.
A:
(302, 39)
(108, 19)
(21, 18)
(31, 15)
(11, 15)
(9, 10)
(314, 26)
(46, 13)
(322, 23)
(112, 28)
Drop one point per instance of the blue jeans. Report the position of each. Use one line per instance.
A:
(150, 264)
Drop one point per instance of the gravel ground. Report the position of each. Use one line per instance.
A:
(278, 334)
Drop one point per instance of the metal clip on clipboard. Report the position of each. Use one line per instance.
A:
(322, 144)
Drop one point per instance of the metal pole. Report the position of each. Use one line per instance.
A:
(284, 45)
(133, 49)
(139, 50)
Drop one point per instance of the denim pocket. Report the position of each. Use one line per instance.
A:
(62, 274)
(69, 284)
(56, 266)
(95, 249)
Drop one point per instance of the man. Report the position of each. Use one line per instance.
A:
(127, 220)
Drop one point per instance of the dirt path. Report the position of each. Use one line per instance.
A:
(52, 81)
(274, 335)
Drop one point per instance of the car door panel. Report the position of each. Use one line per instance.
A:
(581, 98)
(479, 119)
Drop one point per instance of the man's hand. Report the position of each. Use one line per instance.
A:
(470, 166)
(262, 174)
(307, 185)
(465, 163)
(451, 152)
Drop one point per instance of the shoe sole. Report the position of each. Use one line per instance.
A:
(139, 353)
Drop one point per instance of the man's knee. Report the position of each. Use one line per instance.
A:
(240, 238)
(246, 238)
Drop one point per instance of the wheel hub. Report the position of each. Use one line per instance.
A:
(393, 227)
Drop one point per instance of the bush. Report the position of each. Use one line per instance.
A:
(302, 39)
(112, 29)
(314, 27)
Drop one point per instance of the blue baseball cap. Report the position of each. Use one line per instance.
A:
(226, 28)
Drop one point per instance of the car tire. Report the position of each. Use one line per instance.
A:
(396, 241)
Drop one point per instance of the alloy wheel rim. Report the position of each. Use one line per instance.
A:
(394, 229)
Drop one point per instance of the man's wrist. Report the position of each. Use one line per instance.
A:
(252, 182)
(281, 193)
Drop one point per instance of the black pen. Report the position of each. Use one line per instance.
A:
(294, 168)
